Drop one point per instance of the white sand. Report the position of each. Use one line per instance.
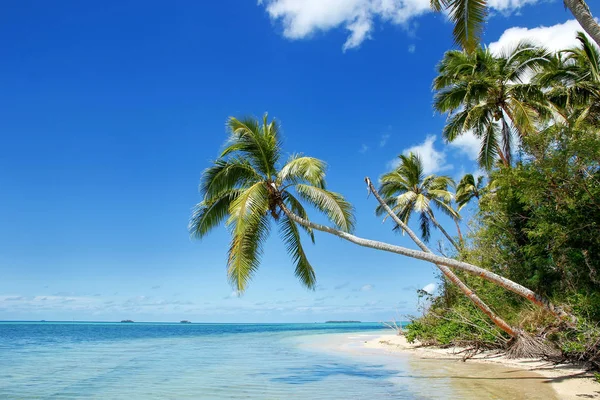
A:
(568, 381)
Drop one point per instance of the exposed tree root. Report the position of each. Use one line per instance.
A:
(524, 345)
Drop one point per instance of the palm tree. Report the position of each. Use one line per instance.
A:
(469, 17)
(406, 189)
(467, 189)
(572, 82)
(488, 95)
(246, 187)
(447, 272)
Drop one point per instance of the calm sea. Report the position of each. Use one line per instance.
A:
(47, 360)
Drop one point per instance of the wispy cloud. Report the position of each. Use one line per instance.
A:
(384, 139)
(366, 288)
(412, 48)
(363, 149)
(342, 286)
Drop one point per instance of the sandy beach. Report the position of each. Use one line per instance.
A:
(486, 375)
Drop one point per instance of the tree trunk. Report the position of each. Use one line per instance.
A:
(461, 240)
(437, 224)
(435, 259)
(499, 322)
(582, 13)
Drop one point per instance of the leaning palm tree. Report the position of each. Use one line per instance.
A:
(469, 17)
(489, 95)
(468, 189)
(246, 188)
(407, 190)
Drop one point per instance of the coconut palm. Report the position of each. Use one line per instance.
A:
(489, 95)
(407, 190)
(469, 16)
(572, 82)
(246, 188)
(467, 189)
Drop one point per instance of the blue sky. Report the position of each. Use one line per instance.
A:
(111, 110)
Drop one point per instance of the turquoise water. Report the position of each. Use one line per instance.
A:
(214, 361)
(142, 360)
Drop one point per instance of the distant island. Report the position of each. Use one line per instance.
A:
(127, 321)
(185, 321)
(342, 322)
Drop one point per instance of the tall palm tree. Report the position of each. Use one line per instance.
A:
(246, 187)
(572, 82)
(469, 17)
(407, 189)
(467, 189)
(489, 95)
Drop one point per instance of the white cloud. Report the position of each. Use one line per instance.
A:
(366, 288)
(412, 48)
(430, 288)
(384, 139)
(433, 160)
(555, 37)
(304, 18)
(467, 144)
(363, 149)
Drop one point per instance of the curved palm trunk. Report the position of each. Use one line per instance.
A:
(435, 259)
(581, 12)
(461, 240)
(499, 322)
(437, 224)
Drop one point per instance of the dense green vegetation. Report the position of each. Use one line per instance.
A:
(537, 221)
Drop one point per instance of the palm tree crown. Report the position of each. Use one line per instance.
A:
(572, 82)
(489, 95)
(467, 189)
(406, 189)
(248, 187)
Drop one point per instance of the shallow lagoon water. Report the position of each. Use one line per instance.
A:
(206, 361)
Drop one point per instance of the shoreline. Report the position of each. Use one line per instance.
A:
(568, 381)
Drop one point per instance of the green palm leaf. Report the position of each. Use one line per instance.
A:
(333, 205)
(291, 237)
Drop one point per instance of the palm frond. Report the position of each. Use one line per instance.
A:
(245, 252)
(333, 205)
(291, 237)
(468, 17)
(301, 169)
(226, 175)
(297, 208)
(208, 214)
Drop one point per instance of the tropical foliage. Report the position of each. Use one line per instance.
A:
(247, 188)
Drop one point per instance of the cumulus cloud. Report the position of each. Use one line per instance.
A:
(434, 160)
(430, 288)
(302, 19)
(555, 37)
(467, 144)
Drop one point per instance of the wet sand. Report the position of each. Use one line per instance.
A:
(441, 373)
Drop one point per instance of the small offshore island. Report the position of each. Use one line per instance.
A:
(342, 322)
